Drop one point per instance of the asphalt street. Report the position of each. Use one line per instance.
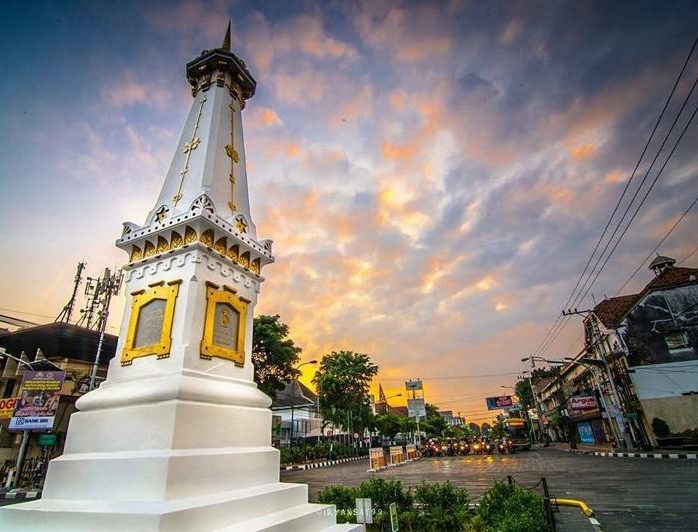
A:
(626, 494)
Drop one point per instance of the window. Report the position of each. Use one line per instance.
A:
(676, 341)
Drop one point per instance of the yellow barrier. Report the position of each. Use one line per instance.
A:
(583, 507)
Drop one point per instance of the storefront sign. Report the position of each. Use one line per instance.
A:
(583, 402)
(38, 400)
(7, 407)
(497, 403)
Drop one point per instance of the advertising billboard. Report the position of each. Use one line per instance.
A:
(38, 400)
(413, 385)
(416, 408)
(583, 402)
(497, 403)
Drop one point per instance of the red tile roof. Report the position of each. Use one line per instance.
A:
(612, 310)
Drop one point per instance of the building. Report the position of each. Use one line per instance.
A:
(299, 413)
(649, 345)
(638, 365)
(69, 348)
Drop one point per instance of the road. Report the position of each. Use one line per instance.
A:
(626, 494)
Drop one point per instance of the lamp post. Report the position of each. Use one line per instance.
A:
(294, 382)
(25, 433)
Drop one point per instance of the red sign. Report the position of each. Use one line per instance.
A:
(583, 402)
(7, 407)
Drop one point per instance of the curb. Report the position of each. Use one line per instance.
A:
(327, 463)
(21, 494)
(664, 456)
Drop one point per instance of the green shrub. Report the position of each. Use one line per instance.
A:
(383, 492)
(343, 497)
(660, 427)
(442, 506)
(510, 508)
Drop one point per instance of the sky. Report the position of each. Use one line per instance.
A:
(434, 175)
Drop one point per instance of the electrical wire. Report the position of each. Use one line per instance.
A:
(671, 230)
(540, 349)
(688, 256)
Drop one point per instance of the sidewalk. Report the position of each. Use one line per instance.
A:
(326, 463)
(608, 451)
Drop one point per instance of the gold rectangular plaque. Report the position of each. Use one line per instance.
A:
(224, 327)
(150, 324)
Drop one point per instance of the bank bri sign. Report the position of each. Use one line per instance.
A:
(38, 400)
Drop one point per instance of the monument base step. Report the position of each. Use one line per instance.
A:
(276, 506)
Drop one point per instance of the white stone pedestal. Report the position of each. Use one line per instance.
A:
(143, 468)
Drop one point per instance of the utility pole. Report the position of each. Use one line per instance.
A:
(531, 358)
(108, 286)
(67, 310)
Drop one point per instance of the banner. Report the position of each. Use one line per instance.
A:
(377, 458)
(38, 400)
(397, 455)
(583, 402)
(497, 403)
(7, 407)
(410, 452)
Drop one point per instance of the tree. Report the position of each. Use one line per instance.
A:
(434, 424)
(274, 354)
(523, 388)
(342, 382)
(388, 424)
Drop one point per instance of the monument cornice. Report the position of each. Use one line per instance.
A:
(202, 228)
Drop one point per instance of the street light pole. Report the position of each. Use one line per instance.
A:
(294, 382)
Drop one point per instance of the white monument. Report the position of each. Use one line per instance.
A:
(178, 438)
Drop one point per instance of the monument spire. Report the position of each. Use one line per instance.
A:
(178, 437)
(226, 40)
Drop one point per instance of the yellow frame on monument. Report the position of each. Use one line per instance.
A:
(167, 292)
(208, 348)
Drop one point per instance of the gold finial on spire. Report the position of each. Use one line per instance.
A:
(226, 39)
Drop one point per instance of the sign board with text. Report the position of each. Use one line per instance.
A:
(397, 456)
(364, 511)
(377, 458)
(38, 400)
(499, 402)
(7, 407)
(583, 402)
(416, 408)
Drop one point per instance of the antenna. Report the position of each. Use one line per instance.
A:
(65, 314)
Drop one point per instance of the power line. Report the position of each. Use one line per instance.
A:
(540, 347)
(452, 377)
(688, 256)
(581, 296)
(690, 120)
(693, 203)
(588, 288)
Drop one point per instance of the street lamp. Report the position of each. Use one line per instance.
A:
(293, 395)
